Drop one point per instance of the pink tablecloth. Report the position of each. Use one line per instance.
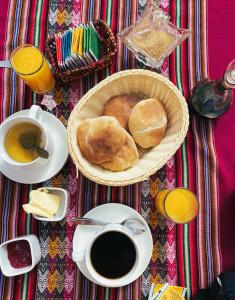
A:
(190, 255)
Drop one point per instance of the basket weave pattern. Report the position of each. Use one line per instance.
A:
(109, 49)
(147, 84)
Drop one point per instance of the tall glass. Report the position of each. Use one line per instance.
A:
(179, 205)
(31, 65)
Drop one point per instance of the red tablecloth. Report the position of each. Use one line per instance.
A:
(221, 49)
(187, 255)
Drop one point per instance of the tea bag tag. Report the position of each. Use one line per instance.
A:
(5, 64)
(49, 102)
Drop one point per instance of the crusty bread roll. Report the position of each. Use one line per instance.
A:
(120, 107)
(147, 122)
(104, 142)
(100, 139)
(126, 158)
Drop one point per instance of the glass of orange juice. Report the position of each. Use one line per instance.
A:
(31, 65)
(179, 205)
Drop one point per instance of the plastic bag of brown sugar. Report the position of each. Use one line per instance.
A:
(153, 37)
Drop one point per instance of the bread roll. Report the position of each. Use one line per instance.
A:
(120, 107)
(126, 158)
(100, 139)
(147, 122)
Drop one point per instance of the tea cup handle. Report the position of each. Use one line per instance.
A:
(78, 256)
(35, 112)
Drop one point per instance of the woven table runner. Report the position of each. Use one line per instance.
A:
(187, 255)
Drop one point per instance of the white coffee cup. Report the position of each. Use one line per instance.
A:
(34, 116)
(84, 256)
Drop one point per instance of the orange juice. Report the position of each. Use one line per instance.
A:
(180, 205)
(32, 67)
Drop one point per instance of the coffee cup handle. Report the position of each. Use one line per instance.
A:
(35, 112)
(78, 256)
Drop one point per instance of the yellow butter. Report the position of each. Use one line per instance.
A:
(45, 201)
(28, 208)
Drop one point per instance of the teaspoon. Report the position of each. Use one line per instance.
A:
(135, 225)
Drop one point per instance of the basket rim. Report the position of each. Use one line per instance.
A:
(180, 138)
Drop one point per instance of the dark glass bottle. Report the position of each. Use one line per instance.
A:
(212, 98)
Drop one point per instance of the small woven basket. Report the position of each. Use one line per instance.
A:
(147, 84)
(109, 48)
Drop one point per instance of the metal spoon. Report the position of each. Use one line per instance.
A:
(135, 225)
(29, 141)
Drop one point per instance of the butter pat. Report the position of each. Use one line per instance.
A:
(28, 208)
(42, 203)
(45, 201)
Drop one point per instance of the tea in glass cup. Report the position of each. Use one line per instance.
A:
(31, 65)
(179, 205)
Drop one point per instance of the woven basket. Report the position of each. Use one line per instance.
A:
(145, 83)
(109, 48)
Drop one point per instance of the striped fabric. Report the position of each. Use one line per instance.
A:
(188, 255)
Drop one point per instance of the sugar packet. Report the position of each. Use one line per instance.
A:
(166, 292)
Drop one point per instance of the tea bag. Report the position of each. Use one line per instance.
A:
(88, 41)
(77, 40)
(85, 46)
(77, 47)
(153, 37)
(58, 43)
(94, 43)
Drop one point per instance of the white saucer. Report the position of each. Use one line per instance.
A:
(57, 137)
(113, 212)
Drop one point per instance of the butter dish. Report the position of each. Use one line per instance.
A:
(64, 198)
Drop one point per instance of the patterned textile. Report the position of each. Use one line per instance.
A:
(188, 255)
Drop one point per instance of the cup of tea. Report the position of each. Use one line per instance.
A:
(23, 140)
(111, 257)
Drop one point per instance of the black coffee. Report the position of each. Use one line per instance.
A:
(113, 254)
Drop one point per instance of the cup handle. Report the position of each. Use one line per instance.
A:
(78, 256)
(35, 112)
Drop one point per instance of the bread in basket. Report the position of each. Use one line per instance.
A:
(148, 84)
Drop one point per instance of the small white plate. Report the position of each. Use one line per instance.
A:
(114, 212)
(57, 146)
(64, 198)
